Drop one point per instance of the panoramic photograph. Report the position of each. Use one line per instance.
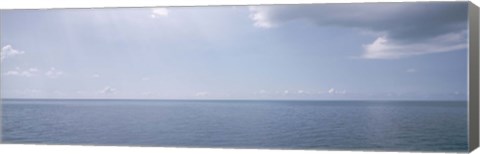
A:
(354, 76)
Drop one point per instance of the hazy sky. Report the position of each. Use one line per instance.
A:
(328, 51)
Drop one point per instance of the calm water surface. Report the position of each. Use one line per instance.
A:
(344, 125)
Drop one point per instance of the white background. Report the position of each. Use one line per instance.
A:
(54, 149)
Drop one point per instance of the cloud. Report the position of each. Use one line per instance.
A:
(261, 92)
(333, 91)
(301, 91)
(23, 73)
(260, 17)
(29, 92)
(9, 51)
(201, 94)
(145, 78)
(382, 48)
(12, 73)
(402, 29)
(108, 90)
(95, 75)
(159, 12)
(32, 72)
(148, 93)
(53, 73)
(81, 92)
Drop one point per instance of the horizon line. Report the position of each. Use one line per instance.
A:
(224, 99)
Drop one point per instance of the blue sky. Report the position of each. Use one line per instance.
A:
(380, 51)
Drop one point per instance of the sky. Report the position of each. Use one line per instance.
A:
(369, 51)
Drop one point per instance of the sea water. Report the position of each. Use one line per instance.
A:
(334, 125)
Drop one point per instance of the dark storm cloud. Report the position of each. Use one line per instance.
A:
(398, 23)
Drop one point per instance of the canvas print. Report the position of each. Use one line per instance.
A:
(359, 76)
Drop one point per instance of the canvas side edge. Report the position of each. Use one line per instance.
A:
(473, 103)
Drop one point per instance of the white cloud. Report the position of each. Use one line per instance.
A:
(331, 91)
(80, 92)
(31, 91)
(53, 73)
(108, 90)
(383, 48)
(32, 72)
(260, 17)
(12, 73)
(9, 51)
(201, 94)
(23, 73)
(263, 91)
(341, 92)
(145, 78)
(148, 93)
(159, 12)
(95, 75)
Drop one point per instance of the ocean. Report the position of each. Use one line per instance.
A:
(320, 125)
